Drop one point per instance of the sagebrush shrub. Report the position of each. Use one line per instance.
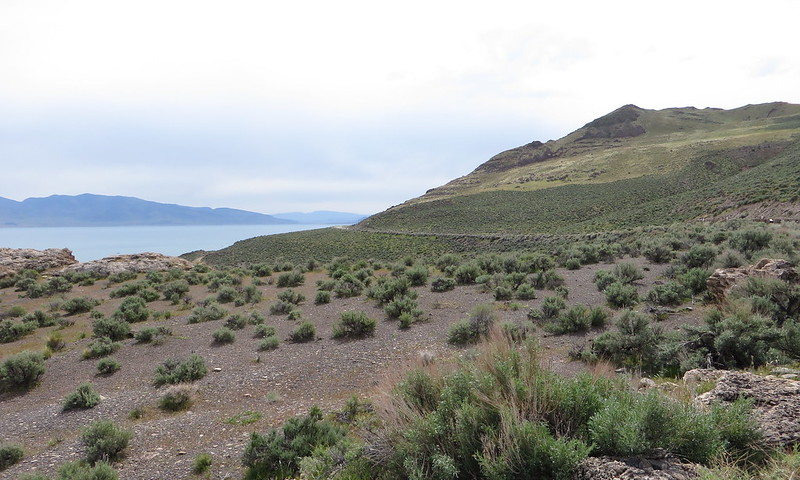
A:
(83, 397)
(304, 332)
(78, 470)
(175, 371)
(262, 331)
(100, 347)
(290, 279)
(322, 297)
(270, 342)
(107, 366)
(442, 284)
(132, 310)
(177, 398)
(551, 306)
(203, 461)
(224, 335)
(668, 294)
(11, 331)
(113, 328)
(276, 453)
(10, 453)
(104, 441)
(354, 325)
(78, 305)
(21, 371)
(206, 313)
(619, 295)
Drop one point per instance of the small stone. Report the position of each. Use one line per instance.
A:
(217, 369)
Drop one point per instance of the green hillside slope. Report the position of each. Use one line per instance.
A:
(632, 167)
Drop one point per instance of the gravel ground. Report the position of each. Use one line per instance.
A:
(278, 384)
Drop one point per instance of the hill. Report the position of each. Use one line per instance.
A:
(611, 179)
(100, 210)
(632, 167)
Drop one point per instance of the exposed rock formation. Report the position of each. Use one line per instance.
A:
(723, 280)
(13, 260)
(659, 466)
(137, 262)
(776, 403)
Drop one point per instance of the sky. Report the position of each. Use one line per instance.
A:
(348, 105)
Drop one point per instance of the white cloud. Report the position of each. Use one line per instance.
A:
(207, 102)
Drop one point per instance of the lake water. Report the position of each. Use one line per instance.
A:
(92, 243)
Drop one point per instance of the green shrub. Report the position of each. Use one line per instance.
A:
(262, 331)
(322, 297)
(236, 322)
(290, 279)
(202, 462)
(388, 289)
(177, 398)
(443, 284)
(695, 280)
(149, 295)
(668, 294)
(348, 286)
(107, 366)
(572, 263)
(295, 314)
(206, 313)
(104, 441)
(400, 305)
(621, 296)
(627, 273)
(121, 277)
(40, 319)
(79, 470)
(304, 332)
(478, 324)
(11, 331)
(290, 296)
(546, 279)
(21, 371)
(750, 241)
(84, 397)
(224, 335)
(113, 328)
(276, 453)
(551, 306)
(127, 290)
(132, 310)
(502, 293)
(270, 342)
(634, 343)
(10, 454)
(281, 308)
(226, 294)
(78, 305)
(152, 334)
(467, 273)
(576, 319)
(175, 291)
(354, 325)
(526, 292)
(100, 347)
(175, 371)
(251, 295)
(660, 252)
(55, 342)
(418, 275)
(699, 256)
(261, 270)
(598, 317)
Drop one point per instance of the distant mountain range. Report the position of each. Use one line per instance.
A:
(90, 210)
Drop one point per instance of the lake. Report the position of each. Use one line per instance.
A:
(92, 243)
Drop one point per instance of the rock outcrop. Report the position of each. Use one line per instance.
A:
(776, 403)
(137, 263)
(723, 280)
(659, 466)
(13, 260)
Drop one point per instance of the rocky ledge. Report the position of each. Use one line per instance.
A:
(723, 280)
(137, 263)
(14, 260)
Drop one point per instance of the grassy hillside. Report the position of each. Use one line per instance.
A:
(629, 168)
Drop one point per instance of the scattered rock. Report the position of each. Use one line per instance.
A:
(776, 403)
(658, 466)
(217, 369)
(721, 282)
(137, 263)
(13, 260)
(695, 377)
(646, 384)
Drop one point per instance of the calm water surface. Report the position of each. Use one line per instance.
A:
(92, 243)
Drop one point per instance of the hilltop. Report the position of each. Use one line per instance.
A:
(629, 168)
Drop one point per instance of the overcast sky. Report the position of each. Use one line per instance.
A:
(348, 105)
